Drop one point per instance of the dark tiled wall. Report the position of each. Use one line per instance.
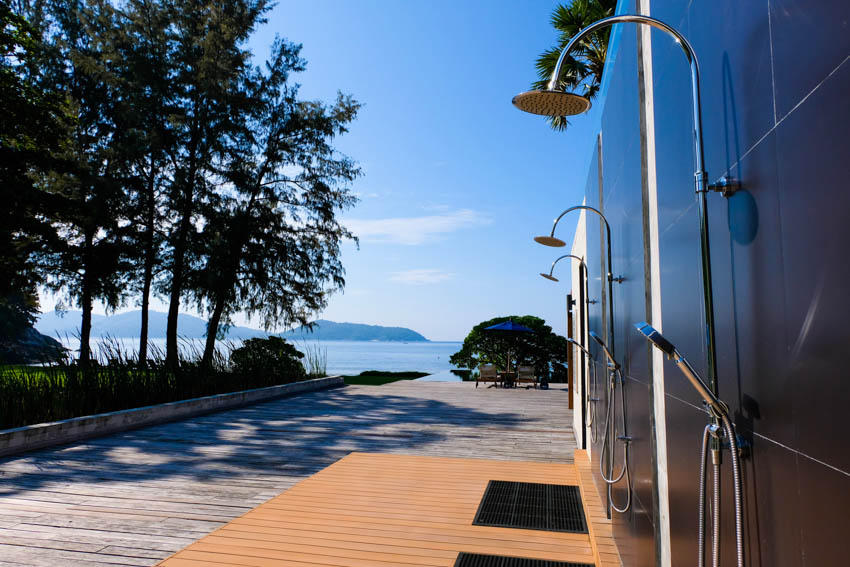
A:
(776, 110)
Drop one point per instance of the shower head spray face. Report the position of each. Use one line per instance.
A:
(550, 241)
(667, 348)
(655, 338)
(551, 103)
(549, 277)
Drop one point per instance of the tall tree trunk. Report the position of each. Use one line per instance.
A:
(150, 254)
(212, 329)
(171, 353)
(226, 282)
(86, 301)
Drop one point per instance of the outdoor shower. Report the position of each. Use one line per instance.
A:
(588, 407)
(721, 426)
(554, 101)
(608, 444)
(551, 240)
(557, 243)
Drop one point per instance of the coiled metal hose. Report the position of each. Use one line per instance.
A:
(610, 422)
(736, 481)
(729, 432)
(701, 532)
(591, 407)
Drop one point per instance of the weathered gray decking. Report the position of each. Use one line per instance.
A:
(137, 497)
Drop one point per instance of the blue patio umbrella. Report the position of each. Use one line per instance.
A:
(509, 328)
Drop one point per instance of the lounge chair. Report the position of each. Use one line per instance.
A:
(525, 375)
(487, 373)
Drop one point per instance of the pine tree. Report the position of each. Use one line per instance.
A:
(210, 60)
(34, 125)
(272, 240)
(88, 260)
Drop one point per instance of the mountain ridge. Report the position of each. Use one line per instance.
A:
(126, 325)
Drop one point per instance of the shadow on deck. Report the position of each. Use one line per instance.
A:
(136, 497)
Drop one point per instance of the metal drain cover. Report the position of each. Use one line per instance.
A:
(532, 506)
(476, 560)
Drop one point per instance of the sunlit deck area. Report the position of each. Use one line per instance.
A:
(139, 497)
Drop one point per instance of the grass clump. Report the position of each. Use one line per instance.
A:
(380, 377)
(117, 380)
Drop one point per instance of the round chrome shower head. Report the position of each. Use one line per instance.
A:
(551, 103)
(549, 277)
(549, 241)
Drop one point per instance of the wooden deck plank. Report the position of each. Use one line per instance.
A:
(154, 490)
(376, 517)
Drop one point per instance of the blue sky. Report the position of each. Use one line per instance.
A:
(456, 180)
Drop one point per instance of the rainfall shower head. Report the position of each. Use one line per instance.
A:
(551, 103)
(549, 241)
(653, 336)
(549, 277)
(607, 352)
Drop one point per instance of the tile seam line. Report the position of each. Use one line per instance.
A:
(795, 451)
(781, 120)
(772, 64)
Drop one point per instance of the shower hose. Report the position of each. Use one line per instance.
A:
(715, 496)
(610, 423)
(591, 407)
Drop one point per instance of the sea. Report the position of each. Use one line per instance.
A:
(343, 357)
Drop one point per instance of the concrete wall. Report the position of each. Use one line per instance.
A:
(39, 436)
(775, 84)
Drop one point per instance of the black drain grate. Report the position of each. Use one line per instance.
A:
(532, 506)
(476, 560)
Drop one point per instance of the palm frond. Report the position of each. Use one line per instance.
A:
(582, 70)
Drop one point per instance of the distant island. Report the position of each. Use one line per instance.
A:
(126, 325)
(329, 331)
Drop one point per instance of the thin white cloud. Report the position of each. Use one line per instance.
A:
(420, 277)
(413, 231)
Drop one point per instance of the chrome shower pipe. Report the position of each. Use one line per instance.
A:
(608, 266)
(589, 402)
(700, 175)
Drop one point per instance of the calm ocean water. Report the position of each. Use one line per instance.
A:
(344, 357)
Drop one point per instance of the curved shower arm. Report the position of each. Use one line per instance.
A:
(558, 259)
(608, 266)
(584, 207)
(700, 174)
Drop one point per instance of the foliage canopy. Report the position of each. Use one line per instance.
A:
(271, 356)
(543, 349)
(582, 70)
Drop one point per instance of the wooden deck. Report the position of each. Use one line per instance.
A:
(390, 511)
(138, 497)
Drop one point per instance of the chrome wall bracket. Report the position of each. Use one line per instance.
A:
(726, 185)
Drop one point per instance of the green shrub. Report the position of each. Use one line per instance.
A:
(272, 357)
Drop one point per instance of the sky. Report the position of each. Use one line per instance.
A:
(456, 181)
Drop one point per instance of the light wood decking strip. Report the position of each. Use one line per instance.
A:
(137, 497)
(386, 511)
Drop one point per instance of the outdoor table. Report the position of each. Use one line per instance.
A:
(508, 379)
